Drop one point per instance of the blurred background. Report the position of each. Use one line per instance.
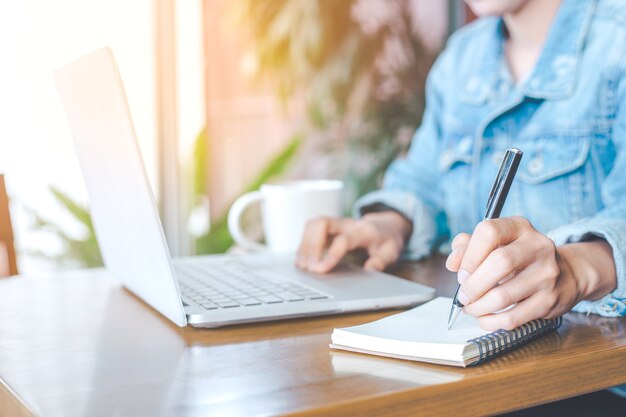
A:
(225, 95)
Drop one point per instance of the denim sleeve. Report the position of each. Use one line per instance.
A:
(613, 230)
(411, 183)
(610, 222)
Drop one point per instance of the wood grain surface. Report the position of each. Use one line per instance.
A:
(77, 344)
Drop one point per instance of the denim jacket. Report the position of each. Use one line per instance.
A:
(568, 116)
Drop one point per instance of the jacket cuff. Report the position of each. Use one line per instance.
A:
(420, 243)
(614, 232)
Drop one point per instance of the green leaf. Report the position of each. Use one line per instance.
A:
(84, 252)
(360, 74)
(218, 240)
(79, 212)
(200, 163)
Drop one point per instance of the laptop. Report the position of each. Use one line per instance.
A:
(203, 291)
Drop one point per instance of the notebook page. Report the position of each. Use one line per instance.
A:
(421, 332)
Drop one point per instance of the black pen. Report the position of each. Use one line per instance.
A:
(497, 197)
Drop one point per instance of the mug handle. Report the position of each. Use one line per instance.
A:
(234, 221)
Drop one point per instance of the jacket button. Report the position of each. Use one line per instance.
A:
(535, 166)
(465, 145)
(496, 158)
(446, 159)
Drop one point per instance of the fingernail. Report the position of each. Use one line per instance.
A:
(462, 276)
(464, 299)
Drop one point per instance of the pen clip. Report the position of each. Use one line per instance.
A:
(496, 181)
(502, 182)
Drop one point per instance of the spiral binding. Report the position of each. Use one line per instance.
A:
(502, 341)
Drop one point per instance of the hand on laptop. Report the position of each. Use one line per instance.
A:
(327, 240)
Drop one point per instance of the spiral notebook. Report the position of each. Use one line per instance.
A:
(421, 334)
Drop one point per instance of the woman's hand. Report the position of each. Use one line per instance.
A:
(326, 241)
(506, 262)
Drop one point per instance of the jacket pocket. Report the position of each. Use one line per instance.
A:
(554, 183)
(548, 157)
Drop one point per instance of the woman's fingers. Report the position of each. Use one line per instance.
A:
(382, 256)
(462, 239)
(527, 310)
(459, 244)
(314, 241)
(513, 291)
(327, 241)
(488, 236)
(500, 264)
(338, 248)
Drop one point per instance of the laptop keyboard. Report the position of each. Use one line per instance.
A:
(215, 286)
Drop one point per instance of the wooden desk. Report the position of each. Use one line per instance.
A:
(77, 344)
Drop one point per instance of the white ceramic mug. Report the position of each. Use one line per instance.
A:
(285, 209)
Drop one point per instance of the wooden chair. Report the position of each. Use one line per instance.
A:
(8, 264)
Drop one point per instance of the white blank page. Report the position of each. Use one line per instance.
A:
(421, 332)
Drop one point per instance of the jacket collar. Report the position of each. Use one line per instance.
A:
(556, 71)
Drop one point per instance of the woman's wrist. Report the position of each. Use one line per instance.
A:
(591, 266)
